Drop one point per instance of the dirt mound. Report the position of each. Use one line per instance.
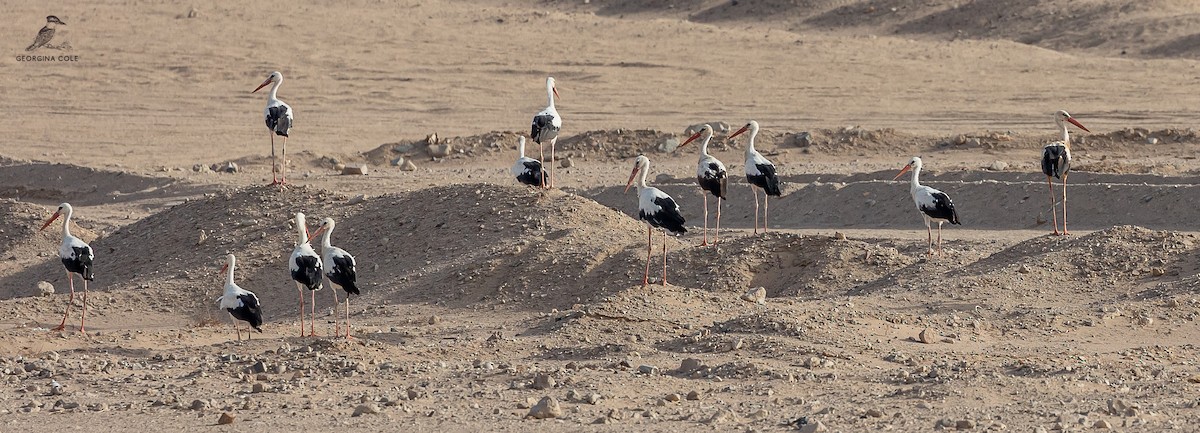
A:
(81, 186)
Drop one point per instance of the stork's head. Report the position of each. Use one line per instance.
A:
(913, 164)
(1062, 116)
(551, 87)
(62, 208)
(54, 20)
(229, 261)
(326, 225)
(706, 131)
(639, 164)
(275, 77)
(752, 126)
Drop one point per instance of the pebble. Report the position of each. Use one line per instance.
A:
(813, 427)
(441, 150)
(543, 381)
(368, 409)
(756, 295)
(408, 166)
(964, 424)
(593, 398)
(874, 413)
(673, 397)
(1024, 269)
(258, 387)
(225, 418)
(998, 166)
(547, 407)
(434, 319)
(647, 369)
(1102, 424)
(693, 395)
(721, 416)
(567, 163)
(927, 336)
(689, 365)
(45, 288)
(199, 405)
(353, 169)
(229, 167)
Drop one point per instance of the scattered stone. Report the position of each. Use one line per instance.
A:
(258, 367)
(202, 238)
(547, 407)
(567, 163)
(1024, 269)
(441, 150)
(592, 398)
(998, 166)
(647, 369)
(201, 168)
(1151, 140)
(759, 414)
(434, 319)
(673, 397)
(874, 413)
(412, 394)
(689, 365)
(722, 416)
(802, 139)
(431, 139)
(839, 236)
(258, 387)
(927, 336)
(229, 167)
(397, 161)
(225, 418)
(352, 169)
(365, 409)
(668, 145)
(757, 295)
(543, 381)
(45, 288)
(357, 199)
(1102, 425)
(199, 405)
(693, 395)
(964, 424)
(813, 427)
(408, 166)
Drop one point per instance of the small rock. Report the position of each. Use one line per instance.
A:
(759, 414)
(593, 398)
(964, 424)
(441, 150)
(368, 409)
(45, 288)
(225, 418)
(1157, 272)
(567, 163)
(201, 168)
(756, 295)
(258, 387)
(1149, 140)
(927, 336)
(199, 404)
(397, 161)
(668, 145)
(813, 427)
(230, 167)
(543, 381)
(998, 166)
(352, 169)
(874, 413)
(431, 139)
(802, 139)
(839, 236)
(202, 238)
(434, 319)
(258, 367)
(547, 407)
(1102, 424)
(1024, 269)
(693, 395)
(673, 397)
(647, 369)
(722, 416)
(689, 365)
(408, 166)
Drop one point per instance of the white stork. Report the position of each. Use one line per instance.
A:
(528, 171)
(759, 172)
(278, 115)
(935, 206)
(658, 210)
(76, 257)
(305, 265)
(545, 127)
(712, 177)
(341, 269)
(1056, 160)
(241, 304)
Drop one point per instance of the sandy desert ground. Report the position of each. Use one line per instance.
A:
(484, 299)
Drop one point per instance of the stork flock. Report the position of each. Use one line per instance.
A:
(309, 270)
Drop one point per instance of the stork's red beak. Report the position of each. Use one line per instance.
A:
(630, 181)
(314, 234)
(47, 224)
(1076, 123)
(693, 138)
(224, 268)
(555, 90)
(902, 171)
(260, 86)
(739, 132)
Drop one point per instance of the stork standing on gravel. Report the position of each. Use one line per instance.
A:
(305, 266)
(712, 177)
(76, 257)
(278, 115)
(240, 303)
(935, 206)
(545, 128)
(658, 210)
(1056, 160)
(341, 270)
(759, 172)
(528, 171)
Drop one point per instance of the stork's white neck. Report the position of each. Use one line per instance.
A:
(66, 230)
(229, 275)
(1066, 136)
(750, 142)
(326, 234)
(549, 95)
(641, 180)
(275, 88)
(301, 230)
(916, 174)
(521, 148)
(708, 135)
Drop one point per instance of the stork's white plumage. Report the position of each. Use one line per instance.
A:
(658, 210)
(712, 177)
(528, 171)
(241, 304)
(305, 267)
(759, 172)
(935, 206)
(341, 269)
(278, 116)
(1056, 161)
(77, 257)
(545, 128)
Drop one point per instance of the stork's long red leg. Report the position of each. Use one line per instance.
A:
(705, 194)
(336, 302)
(348, 316)
(766, 204)
(1053, 205)
(939, 238)
(83, 316)
(552, 176)
(312, 318)
(717, 234)
(929, 239)
(646, 279)
(71, 300)
(542, 157)
(283, 163)
(274, 161)
(755, 191)
(300, 290)
(1064, 188)
(664, 279)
